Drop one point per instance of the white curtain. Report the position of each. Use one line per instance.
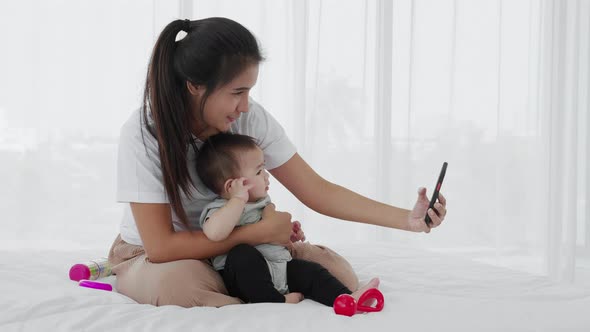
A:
(375, 94)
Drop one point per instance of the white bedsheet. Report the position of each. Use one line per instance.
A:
(423, 291)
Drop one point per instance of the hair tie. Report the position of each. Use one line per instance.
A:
(187, 26)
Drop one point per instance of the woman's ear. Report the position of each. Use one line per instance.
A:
(194, 89)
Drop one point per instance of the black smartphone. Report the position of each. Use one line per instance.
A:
(434, 197)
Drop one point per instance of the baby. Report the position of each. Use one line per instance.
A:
(232, 166)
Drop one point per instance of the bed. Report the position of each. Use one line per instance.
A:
(424, 291)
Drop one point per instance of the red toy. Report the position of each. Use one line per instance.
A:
(346, 305)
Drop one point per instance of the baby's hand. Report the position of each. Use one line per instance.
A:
(297, 234)
(239, 189)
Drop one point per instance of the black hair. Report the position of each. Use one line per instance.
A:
(214, 51)
(218, 159)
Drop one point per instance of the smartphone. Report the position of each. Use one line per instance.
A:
(434, 197)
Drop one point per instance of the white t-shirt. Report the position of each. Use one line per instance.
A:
(139, 176)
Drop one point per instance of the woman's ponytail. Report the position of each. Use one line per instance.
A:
(167, 116)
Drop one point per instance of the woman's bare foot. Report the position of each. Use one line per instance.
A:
(293, 297)
(373, 283)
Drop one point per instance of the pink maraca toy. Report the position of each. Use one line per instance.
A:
(91, 270)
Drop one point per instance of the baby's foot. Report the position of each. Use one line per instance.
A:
(293, 297)
(373, 283)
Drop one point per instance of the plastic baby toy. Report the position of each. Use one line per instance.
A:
(346, 305)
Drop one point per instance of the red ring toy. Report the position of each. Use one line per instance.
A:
(346, 305)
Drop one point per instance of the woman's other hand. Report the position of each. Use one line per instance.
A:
(277, 225)
(416, 221)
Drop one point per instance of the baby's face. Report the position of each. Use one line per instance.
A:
(252, 168)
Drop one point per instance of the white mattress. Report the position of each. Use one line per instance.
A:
(423, 291)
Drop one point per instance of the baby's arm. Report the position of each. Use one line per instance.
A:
(221, 223)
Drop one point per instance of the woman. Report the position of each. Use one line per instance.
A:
(196, 87)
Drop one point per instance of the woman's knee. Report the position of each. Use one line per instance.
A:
(334, 263)
(185, 283)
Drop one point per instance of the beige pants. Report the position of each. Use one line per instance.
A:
(191, 282)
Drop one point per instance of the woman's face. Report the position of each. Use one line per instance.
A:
(224, 105)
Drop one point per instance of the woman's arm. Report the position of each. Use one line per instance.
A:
(335, 201)
(163, 244)
(220, 224)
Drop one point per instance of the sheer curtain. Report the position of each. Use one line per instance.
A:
(375, 94)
